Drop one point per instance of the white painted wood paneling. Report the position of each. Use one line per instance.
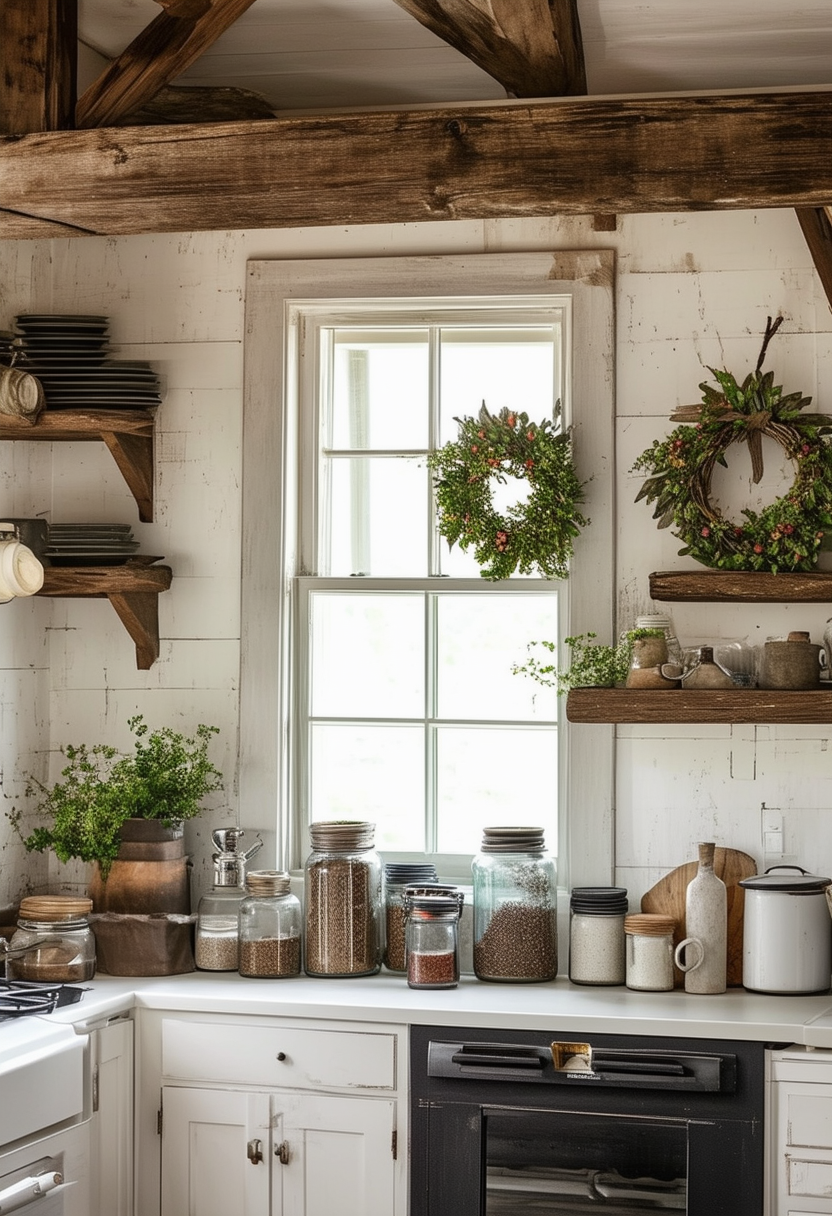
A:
(690, 289)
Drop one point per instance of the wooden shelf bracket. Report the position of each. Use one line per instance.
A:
(133, 590)
(129, 434)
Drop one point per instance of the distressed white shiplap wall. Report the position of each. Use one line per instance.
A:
(691, 291)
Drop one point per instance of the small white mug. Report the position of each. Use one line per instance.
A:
(689, 954)
(21, 573)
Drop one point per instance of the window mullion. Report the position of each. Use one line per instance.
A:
(430, 734)
(434, 538)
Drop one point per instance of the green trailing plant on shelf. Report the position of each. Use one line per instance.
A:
(165, 778)
(591, 664)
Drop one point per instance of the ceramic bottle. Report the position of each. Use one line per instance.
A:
(706, 922)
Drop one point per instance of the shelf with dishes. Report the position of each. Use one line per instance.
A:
(129, 435)
(132, 588)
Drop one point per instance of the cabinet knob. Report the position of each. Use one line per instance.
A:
(281, 1151)
(281, 1055)
(254, 1151)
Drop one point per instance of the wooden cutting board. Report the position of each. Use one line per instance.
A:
(668, 897)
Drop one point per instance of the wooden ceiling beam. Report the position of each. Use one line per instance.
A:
(817, 229)
(567, 156)
(38, 55)
(531, 47)
(161, 52)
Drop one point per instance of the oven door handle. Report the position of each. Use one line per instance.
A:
(529, 1058)
(28, 1190)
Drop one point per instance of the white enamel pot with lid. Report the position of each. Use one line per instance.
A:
(787, 932)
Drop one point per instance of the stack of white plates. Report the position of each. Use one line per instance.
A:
(69, 355)
(90, 544)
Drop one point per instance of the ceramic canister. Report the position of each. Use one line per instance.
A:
(787, 933)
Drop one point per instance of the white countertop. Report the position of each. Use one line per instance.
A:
(557, 1006)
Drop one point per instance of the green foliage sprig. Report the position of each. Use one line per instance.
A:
(591, 664)
(165, 778)
(785, 535)
(536, 535)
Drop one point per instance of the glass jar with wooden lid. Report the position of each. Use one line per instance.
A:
(53, 942)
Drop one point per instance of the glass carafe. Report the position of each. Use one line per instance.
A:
(217, 920)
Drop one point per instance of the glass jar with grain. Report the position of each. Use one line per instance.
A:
(270, 927)
(397, 878)
(432, 936)
(515, 907)
(53, 942)
(342, 900)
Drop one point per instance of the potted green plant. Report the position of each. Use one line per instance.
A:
(125, 813)
(163, 780)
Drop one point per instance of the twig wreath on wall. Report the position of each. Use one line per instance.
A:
(535, 535)
(787, 534)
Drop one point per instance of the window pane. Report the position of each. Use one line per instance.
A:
(480, 638)
(371, 772)
(378, 517)
(380, 389)
(490, 776)
(367, 655)
(498, 370)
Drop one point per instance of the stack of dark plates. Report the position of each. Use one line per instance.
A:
(7, 346)
(90, 544)
(69, 355)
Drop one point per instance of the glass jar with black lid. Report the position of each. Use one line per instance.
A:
(597, 942)
(397, 878)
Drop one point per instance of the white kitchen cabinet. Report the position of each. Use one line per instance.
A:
(801, 1132)
(224, 1152)
(209, 1164)
(111, 1125)
(273, 1117)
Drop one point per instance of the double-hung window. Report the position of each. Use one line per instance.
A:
(387, 692)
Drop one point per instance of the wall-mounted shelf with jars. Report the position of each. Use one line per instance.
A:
(735, 705)
(127, 433)
(683, 706)
(133, 590)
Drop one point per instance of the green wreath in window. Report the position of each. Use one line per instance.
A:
(535, 535)
(784, 536)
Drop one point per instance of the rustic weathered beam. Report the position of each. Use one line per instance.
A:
(178, 104)
(532, 47)
(741, 586)
(562, 156)
(38, 55)
(817, 229)
(749, 705)
(163, 50)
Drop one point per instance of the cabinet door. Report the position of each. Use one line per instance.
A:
(210, 1143)
(339, 1156)
(111, 1128)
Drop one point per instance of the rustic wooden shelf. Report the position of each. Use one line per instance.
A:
(679, 705)
(129, 435)
(740, 586)
(133, 590)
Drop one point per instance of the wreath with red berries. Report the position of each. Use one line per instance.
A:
(788, 534)
(533, 536)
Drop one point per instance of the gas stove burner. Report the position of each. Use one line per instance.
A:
(22, 998)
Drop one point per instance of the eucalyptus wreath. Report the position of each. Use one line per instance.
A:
(535, 535)
(787, 534)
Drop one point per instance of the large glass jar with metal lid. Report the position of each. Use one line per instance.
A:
(397, 878)
(270, 927)
(217, 919)
(53, 941)
(342, 900)
(432, 936)
(515, 907)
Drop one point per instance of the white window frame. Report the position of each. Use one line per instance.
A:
(278, 292)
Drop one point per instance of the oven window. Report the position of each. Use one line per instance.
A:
(556, 1164)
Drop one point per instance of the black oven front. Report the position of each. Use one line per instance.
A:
(554, 1125)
